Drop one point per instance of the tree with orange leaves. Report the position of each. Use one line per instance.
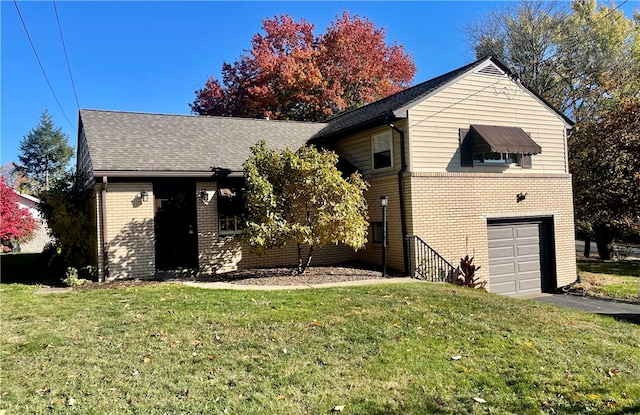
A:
(289, 73)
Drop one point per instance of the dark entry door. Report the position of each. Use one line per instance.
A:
(175, 224)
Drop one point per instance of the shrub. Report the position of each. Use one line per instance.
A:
(467, 274)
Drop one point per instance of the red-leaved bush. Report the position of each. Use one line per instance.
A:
(16, 224)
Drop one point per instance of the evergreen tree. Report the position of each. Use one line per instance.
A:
(45, 155)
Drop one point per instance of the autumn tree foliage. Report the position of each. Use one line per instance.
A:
(605, 161)
(301, 198)
(16, 224)
(290, 73)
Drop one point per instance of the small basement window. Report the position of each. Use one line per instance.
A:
(382, 149)
(230, 208)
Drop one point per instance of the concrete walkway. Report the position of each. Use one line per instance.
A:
(230, 286)
(616, 309)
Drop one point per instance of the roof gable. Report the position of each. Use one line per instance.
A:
(396, 105)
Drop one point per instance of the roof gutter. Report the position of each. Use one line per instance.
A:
(403, 218)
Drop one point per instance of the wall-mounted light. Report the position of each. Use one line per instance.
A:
(204, 197)
(144, 196)
(520, 197)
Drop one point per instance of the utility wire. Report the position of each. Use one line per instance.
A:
(66, 57)
(40, 63)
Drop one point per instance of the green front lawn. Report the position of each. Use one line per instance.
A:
(610, 279)
(385, 349)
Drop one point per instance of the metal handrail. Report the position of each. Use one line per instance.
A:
(427, 264)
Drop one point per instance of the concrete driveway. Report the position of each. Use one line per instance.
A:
(619, 310)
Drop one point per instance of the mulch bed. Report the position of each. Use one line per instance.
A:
(261, 276)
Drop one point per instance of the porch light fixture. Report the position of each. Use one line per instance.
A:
(383, 202)
(204, 196)
(520, 197)
(144, 196)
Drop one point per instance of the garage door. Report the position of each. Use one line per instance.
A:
(514, 258)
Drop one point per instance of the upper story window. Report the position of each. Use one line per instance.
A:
(495, 158)
(496, 146)
(382, 151)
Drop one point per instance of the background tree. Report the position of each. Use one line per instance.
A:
(290, 73)
(522, 36)
(577, 58)
(45, 155)
(12, 175)
(16, 224)
(605, 161)
(301, 197)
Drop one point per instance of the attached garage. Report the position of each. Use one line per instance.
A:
(520, 254)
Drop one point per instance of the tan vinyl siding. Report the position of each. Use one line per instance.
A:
(487, 100)
(357, 150)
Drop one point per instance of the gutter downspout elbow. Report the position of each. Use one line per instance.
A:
(401, 172)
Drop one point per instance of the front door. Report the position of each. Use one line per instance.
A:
(175, 224)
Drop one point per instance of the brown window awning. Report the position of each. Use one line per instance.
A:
(493, 139)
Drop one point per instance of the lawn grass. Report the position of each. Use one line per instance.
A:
(610, 279)
(384, 349)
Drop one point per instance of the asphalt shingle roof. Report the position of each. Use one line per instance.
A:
(139, 142)
(378, 111)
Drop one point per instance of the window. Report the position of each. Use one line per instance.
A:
(496, 146)
(230, 207)
(376, 232)
(495, 158)
(382, 149)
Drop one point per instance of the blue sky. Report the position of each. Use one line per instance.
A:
(151, 56)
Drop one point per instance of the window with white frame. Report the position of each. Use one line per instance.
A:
(495, 158)
(230, 208)
(382, 151)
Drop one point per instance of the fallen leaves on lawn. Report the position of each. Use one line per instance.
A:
(458, 357)
(479, 400)
(338, 408)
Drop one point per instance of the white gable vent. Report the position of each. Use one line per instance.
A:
(490, 70)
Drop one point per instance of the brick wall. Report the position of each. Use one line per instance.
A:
(226, 253)
(372, 252)
(129, 231)
(449, 211)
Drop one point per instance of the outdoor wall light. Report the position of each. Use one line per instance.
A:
(144, 196)
(204, 196)
(520, 197)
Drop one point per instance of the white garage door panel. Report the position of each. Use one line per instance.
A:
(502, 269)
(529, 266)
(497, 233)
(529, 250)
(497, 254)
(514, 258)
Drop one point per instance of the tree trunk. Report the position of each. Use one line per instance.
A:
(587, 246)
(308, 259)
(300, 270)
(604, 240)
